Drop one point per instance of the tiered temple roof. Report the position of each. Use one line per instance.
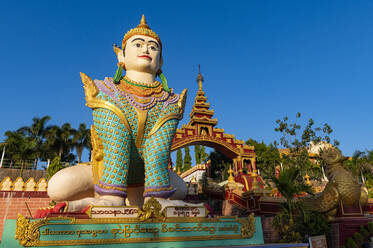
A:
(201, 113)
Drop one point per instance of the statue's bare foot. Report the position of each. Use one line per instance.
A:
(173, 203)
(103, 200)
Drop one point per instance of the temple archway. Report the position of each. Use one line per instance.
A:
(201, 130)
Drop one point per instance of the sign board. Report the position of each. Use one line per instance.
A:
(318, 242)
(97, 212)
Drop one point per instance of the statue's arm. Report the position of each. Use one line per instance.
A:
(110, 137)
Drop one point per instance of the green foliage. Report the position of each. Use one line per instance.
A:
(361, 166)
(311, 223)
(179, 160)
(306, 223)
(351, 243)
(19, 147)
(60, 140)
(358, 238)
(204, 183)
(297, 140)
(200, 154)
(187, 159)
(203, 155)
(292, 229)
(290, 183)
(287, 228)
(369, 185)
(54, 167)
(81, 139)
(364, 232)
(370, 227)
(219, 165)
(267, 158)
(197, 154)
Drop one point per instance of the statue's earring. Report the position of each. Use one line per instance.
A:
(122, 64)
(164, 81)
(118, 73)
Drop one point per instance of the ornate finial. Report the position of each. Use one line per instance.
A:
(254, 175)
(199, 78)
(143, 23)
(230, 178)
(141, 29)
(307, 177)
(193, 180)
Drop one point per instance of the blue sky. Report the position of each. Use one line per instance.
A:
(261, 60)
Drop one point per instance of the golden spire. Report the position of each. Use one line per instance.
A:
(307, 177)
(143, 23)
(254, 175)
(199, 78)
(230, 178)
(141, 29)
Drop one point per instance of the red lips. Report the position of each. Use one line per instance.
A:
(145, 56)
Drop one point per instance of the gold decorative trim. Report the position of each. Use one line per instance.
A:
(161, 121)
(108, 105)
(135, 240)
(231, 136)
(185, 141)
(141, 120)
(182, 100)
(97, 155)
(248, 226)
(141, 29)
(151, 210)
(27, 232)
(200, 111)
(109, 187)
(91, 91)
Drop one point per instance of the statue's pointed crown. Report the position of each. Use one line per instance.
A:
(141, 29)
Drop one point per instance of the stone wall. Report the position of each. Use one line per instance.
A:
(14, 202)
(270, 234)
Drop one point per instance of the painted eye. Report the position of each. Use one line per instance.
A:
(138, 45)
(153, 48)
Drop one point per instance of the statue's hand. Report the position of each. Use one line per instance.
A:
(44, 212)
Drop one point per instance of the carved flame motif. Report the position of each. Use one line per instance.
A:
(27, 232)
(151, 210)
(247, 226)
(90, 88)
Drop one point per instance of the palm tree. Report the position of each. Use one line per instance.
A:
(361, 164)
(290, 183)
(20, 147)
(37, 131)
(59, 139)
(81, 140)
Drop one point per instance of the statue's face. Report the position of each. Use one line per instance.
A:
(143, 54)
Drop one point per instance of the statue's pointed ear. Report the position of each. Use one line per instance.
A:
(118, 52)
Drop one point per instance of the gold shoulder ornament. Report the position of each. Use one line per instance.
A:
(91, 91)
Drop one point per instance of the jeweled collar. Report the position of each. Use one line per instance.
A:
(140, 89)
(143, 102)
(155, 84)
